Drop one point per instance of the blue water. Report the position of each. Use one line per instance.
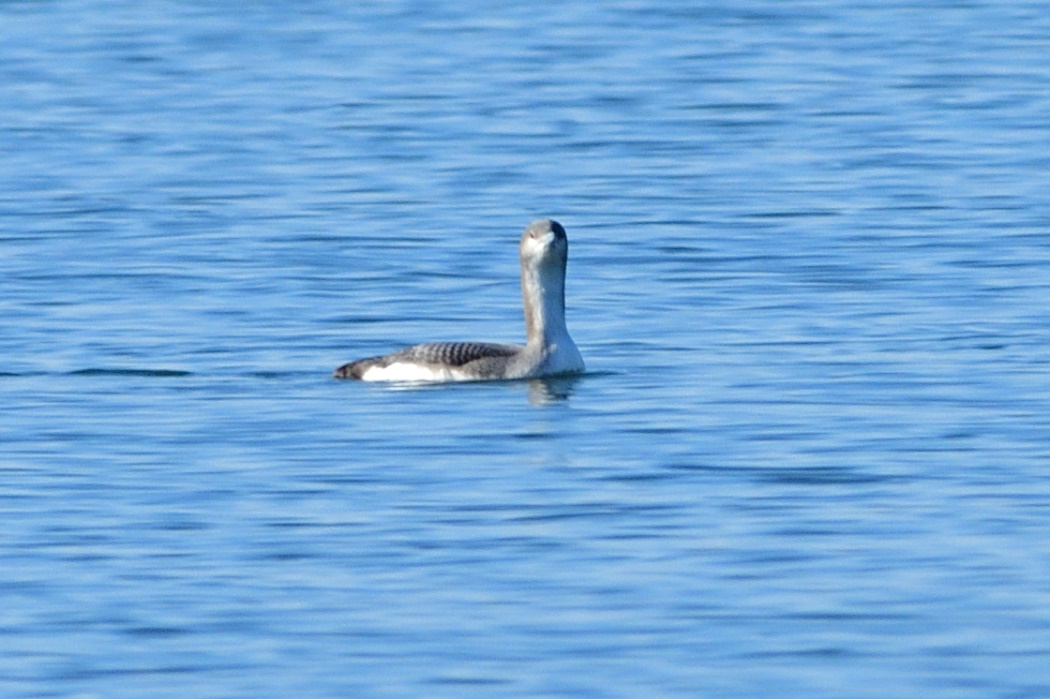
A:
(809, 272)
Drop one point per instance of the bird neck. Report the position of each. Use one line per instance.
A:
(543, 291)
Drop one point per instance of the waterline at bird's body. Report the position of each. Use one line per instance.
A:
(548, 349)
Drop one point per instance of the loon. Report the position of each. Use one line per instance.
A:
(548, 349)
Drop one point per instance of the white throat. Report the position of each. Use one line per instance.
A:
(543, 293)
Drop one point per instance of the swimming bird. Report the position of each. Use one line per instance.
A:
(548, 349)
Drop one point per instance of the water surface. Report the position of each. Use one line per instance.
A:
(809, 272)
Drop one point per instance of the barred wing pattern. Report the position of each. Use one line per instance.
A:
(489, 357)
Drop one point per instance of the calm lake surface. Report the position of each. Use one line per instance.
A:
(809, 273)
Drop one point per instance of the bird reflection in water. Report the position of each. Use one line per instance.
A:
(556, 389)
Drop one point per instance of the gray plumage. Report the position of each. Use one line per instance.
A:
(485, 359)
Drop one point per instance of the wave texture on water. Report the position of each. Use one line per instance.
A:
(809, 274)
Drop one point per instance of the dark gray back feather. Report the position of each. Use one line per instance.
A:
(485, 358)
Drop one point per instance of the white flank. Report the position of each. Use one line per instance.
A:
(408, 371)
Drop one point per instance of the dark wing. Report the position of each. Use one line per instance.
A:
(489, 356)
(453, 353)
